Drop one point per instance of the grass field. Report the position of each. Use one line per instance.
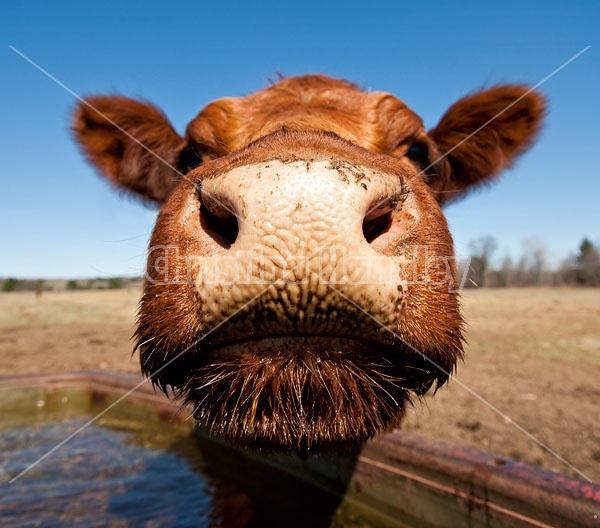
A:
(532, 355)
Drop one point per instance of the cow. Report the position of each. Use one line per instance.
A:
(301, 287)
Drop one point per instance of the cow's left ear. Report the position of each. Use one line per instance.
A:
(507, 120)
(133, 145)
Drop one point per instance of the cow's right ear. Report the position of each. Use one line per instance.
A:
(132, 144)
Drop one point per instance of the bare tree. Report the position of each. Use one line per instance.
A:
(533, 263)
(538, 259)
(507, 272)
(481, 251)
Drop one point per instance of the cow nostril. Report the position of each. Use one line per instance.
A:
(222, 227)
(376, 223)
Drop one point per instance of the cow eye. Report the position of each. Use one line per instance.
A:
(419, 153)
(189, 158)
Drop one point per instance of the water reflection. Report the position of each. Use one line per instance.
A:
(125, 475)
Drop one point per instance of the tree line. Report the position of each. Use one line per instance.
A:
(581, 268)
(40, 285)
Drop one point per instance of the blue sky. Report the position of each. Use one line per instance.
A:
(59, 219)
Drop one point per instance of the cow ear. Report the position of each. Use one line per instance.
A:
(504, 121)
(132, 144)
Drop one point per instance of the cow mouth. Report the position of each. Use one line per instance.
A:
(294, 345)
(303, 393)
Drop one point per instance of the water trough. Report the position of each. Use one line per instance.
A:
(398, 479)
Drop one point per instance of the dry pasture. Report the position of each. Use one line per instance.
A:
(532, 355)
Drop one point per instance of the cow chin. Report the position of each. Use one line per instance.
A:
(302, 394)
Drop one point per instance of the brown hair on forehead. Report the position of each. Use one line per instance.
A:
(376, 121)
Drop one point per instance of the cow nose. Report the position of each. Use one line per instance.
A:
(298, 241)
(296, 208)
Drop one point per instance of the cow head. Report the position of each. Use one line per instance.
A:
(300, 285)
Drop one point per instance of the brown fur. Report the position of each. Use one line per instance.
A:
(108, 129)
(361, 379)
(517, 117)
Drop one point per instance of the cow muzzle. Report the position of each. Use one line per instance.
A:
(305, 288)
